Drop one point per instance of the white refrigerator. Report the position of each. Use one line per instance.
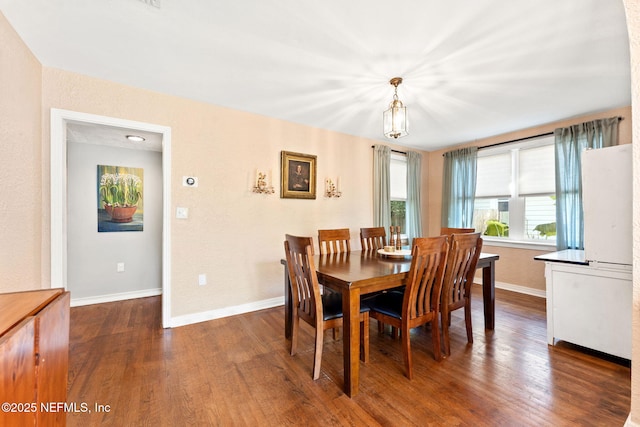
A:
(592, 303)
(607, 205)
(589, 292)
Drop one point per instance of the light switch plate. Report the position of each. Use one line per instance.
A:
(182, 213)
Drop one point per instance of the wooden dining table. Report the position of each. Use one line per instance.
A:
(358, 273)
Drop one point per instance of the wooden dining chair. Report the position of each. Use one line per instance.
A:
(464, 251)
(334, 241)
(447, 231)
(373, 238)
(322, 311)
(419, 304)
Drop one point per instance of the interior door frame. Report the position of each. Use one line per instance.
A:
(59, 120)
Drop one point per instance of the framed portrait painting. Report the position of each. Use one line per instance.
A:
(298, 176)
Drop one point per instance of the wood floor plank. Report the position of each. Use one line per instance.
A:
(238, 371)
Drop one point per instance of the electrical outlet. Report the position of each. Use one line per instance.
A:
(202, 279)
(120, 267)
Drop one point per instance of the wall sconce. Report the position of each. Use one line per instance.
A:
(262, 187)
(331, 189)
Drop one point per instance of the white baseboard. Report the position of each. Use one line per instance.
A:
(521, 289)
(204, 316)
(515, 288)
(77, 302)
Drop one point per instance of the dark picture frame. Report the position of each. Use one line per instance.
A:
(297, 175)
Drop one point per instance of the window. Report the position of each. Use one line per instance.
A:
(398, 178)
(515, 191)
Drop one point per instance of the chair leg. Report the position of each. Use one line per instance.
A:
(445, 332)
(380, 327)
(317, 359)
(364, 338)
(435, 337)
(294, 333)
(395, 332)
(467, 320)
(336, 334)
(406, 350)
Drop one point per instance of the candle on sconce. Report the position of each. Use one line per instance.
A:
(338, 184)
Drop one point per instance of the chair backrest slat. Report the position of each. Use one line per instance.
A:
(373, 238)
(424, 284)
(447, 231)
(334, 241)
(305, 289)
(461, 266)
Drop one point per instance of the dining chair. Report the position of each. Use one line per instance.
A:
(373, 238)
(334, 241)
(419, 304)
(322, 311)
(447, 231)
(464, 251)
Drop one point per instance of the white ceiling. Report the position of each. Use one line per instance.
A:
(92, 133)
(471, 68)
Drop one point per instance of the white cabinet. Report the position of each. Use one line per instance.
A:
(590, 305)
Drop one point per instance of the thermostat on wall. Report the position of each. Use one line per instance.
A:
(190, 181)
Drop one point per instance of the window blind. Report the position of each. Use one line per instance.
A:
(536, 173)
(494, 175)
(398, 177)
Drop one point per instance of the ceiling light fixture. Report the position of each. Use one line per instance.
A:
(135, 138)
(395, 122)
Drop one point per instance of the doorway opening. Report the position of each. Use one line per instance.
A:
(61, 120)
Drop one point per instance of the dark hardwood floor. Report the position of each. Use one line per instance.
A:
(237, 371)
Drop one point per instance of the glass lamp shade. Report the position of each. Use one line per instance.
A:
(395, 121)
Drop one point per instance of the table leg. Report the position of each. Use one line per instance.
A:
(489, 295)
(351, 340)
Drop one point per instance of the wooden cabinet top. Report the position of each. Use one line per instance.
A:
(16, 306)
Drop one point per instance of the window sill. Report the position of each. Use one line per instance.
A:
(519, 244)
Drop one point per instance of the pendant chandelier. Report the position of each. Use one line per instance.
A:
(395, 121)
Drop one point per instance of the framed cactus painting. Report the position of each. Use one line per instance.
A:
(120, 198)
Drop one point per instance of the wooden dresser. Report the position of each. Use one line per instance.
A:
(34, 357)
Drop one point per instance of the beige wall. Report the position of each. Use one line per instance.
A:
(232, 235)
(516, 266)
(21, 205)
(632, 8)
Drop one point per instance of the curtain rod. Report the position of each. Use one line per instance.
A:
(515, 140)
(393, 151)
(511, 141)
(522, 139)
